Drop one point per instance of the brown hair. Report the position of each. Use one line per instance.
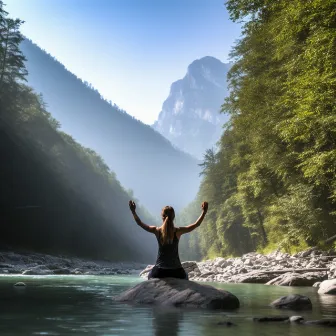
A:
(167, 230)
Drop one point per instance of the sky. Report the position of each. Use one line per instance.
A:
(131, 51)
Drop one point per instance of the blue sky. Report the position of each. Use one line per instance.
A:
(129, 50)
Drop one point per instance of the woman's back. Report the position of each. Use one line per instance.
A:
(168, 262)
(168, 254)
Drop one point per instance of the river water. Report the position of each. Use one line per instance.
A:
(82, 305)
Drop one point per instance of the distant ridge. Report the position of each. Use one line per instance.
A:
(144, 161)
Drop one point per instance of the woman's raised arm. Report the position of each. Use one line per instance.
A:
(186, 229)
(151, 229)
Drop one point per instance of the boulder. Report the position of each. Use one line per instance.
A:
(220, 262)
(190, 266)
(145, 272)
(328, 287)
(296, 279)
(61, 271)
(20, 284)
(317, 284)
(226, 324)
(293, 302)
(38, 270)
(179, 293)
(296, 319)
(253, 277)
(271, 319)
(325, 322)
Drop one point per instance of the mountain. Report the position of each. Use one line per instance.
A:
(190, 116)
(57, 196)
(143, 160)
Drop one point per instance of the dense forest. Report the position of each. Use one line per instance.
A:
(272, 184)
(56, 195)
(142, 158)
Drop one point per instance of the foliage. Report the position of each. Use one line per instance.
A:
(274, 177)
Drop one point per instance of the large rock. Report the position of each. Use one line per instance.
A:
(293, 302)
(144, 273)
(38, 270)
(324, 322)
(253, 277)
(328, 287)
(296, 279)
(190, 266)
(179, 293)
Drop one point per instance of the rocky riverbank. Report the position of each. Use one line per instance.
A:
(302, 269)
(42, 264)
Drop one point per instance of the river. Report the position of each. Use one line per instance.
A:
(82, 305)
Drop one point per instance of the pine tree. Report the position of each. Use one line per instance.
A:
(12, 66)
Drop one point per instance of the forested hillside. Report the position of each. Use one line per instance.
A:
(56, 196)
(273, 182)
(143, 160)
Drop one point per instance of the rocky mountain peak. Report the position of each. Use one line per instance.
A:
(190, 116)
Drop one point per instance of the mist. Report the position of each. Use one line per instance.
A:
(144, 161)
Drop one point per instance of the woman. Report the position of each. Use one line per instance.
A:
(168, 264)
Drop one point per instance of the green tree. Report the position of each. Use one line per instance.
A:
(12, 60)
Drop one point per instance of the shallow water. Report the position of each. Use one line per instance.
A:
(82, 305)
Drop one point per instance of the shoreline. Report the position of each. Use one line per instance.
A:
(32, 263)
(306, 268)
(302, 269)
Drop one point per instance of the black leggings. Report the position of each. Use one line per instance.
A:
(157, 272)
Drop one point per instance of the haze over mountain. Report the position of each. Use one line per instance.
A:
(143, 160)
(190, 116)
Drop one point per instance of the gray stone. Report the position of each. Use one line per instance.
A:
(296, 319)
(20, 284)
(226, 324)
(179, 293)
(293, 302)
(317, 284)
(271, 319)
(328, 287)
(38, 270)
(253, 277)
(324, 322)
(61, 271)
(296, 279)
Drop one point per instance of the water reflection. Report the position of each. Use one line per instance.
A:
(327, 305)
(78, 306)
(166, 322)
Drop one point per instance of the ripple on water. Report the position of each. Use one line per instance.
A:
(77, 305)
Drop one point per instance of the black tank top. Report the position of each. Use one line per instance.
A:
(168, 256)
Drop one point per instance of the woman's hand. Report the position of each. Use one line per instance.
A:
(132, 205)
(205, 206)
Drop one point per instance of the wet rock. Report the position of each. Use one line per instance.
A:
(38, 270)
(324, 322)
(296, 279)
(61, 271)
(4, 265)
(253, 277)
(179, 293)
(293, 302)
(20, 284)
(271, 319)
(296, 319)
(226, 324)
(328, 287)
(145, 272)
(317, 284)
